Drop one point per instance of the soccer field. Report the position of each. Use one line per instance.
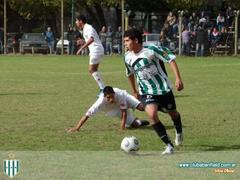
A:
(41, 96)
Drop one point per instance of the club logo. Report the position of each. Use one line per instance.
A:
(11, 167)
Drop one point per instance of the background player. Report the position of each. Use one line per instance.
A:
(94, 44)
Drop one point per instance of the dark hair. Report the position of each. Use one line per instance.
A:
(134, 34)
(82, 18)
(108, 90)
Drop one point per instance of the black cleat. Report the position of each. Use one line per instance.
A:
(144, 123)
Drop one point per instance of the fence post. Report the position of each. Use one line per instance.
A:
(180, 13)
(5, 27)
(236, 32)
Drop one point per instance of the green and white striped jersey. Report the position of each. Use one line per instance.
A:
(148, 68)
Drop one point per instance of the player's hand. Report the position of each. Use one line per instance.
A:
(179, 85)
(122, 130)
(73, 129)
(79, 51)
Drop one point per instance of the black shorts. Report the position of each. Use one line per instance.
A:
(165, 102)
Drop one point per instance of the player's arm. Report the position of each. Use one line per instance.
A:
(90, 40)
(178, 81)
(90, 113)
(124, 118)
(79, 125)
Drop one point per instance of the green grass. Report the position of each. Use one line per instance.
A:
(41, 96)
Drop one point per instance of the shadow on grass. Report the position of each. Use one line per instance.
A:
(220, 148)
(30, 94)
(181, 96)
(150, 128)
(206, 147)
(133, 153)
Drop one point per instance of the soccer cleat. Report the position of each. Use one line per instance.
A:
(144, 123)
(168, 150)
(179, 139)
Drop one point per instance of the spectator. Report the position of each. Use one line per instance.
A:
(109, 40)
(223, 36)
(201, 39)
(72, 36)
(214, 39)
(164, 35)
(171, 20)
(220, 21)
(79, 43)
(203, 20)
(229, 16)
(193, 21)
(103, 36)
(77, 35)
(186, 41)
(1, 40)
(118, 40)
(50, 38)
(71, 40)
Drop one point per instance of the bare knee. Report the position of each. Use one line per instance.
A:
(152, 113)
(174, 114)
(140, 107)
(91, 71)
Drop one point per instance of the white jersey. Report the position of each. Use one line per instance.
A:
(96, 47)
(123, 101)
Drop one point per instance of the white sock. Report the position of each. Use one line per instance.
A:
(98, 79)
(139, 122)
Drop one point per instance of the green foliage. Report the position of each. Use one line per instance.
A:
(39, 9)
(140, 5)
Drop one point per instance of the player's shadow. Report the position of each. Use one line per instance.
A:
(28, 93)
(181, 96)
(149, 127)
(220, 148)
(143, 154)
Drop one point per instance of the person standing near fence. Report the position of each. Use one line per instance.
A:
(96, 50)
(49, 36)
(1, 40)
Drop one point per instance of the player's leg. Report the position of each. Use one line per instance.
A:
(151, 110)
(168, 103)
(134, 122)
(176, 118)
(134, 103)
(93, 69)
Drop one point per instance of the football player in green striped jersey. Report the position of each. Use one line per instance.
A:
(145, 64)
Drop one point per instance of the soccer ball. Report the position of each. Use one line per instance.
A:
(130, 144)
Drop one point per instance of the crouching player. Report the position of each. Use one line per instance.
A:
(116, 103)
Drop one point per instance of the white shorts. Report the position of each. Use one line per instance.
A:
(117, 113)
(132, 103)
(95, 59)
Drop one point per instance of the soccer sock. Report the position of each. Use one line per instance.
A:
(98, 79)
(178, 124)
(139, 122)
(161, 131)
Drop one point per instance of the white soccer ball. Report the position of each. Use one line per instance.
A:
(130, 144)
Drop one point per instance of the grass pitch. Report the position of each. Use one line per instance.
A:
(41, 96)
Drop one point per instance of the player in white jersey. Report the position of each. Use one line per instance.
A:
(96, 50)
(115, 103)
(155, 91)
